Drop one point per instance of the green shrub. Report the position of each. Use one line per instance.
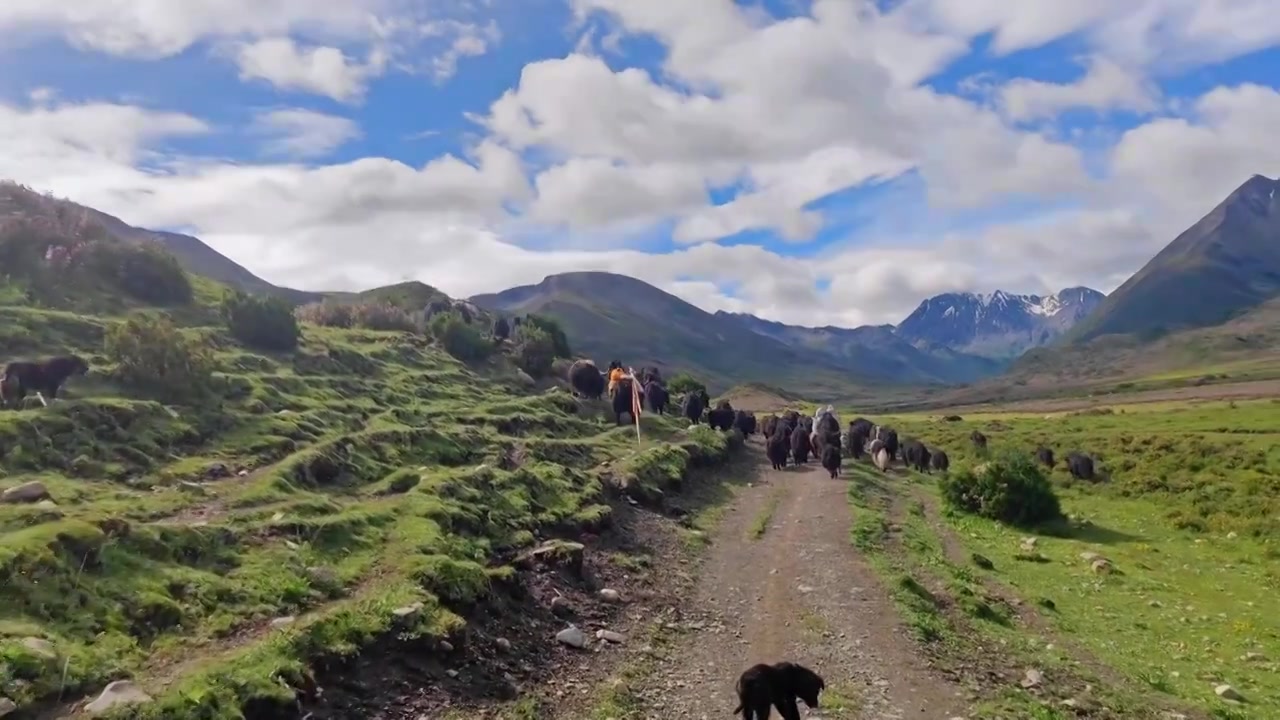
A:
(535, 351)
(559, 341)
(265, 323)
(383, 316)
(146, 272)
(326, 314)
(371, 315)
(1010, 489)
(153, 356)
(459, 339)
(684, 383)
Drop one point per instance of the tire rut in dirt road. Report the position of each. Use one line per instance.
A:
(799, 592)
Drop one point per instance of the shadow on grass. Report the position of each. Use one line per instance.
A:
(711, 487)
(1089, 533)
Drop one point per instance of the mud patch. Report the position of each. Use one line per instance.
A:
(508, 649)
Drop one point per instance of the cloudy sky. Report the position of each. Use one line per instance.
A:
(813, 161)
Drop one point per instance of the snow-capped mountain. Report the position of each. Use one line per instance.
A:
(999, 324)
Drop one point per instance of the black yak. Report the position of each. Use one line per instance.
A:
(915, 454)
(44, 378)
(940, 461)
(744, 421)
(831, 458)
(656, 396)
(800, 447)
(586, 379)
(857, 443)
(1045, 456)
(861, 425)
(769, 426)
(764, 687)
(828, 424)
(979, 442)
(501, 328)
(889, 437)
(776, 448)
(720, 418)
(692, 407)
(621, 401)
(1080, 466)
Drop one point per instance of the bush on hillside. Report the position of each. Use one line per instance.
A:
(153, 356)
(1010, 489)
(145, 272)
(264, 323)
(559, 341)
(535, 351)
(459, 339)
(683, 383)
(326, 314)
(383, 316)
(65, 251)
(369, 315)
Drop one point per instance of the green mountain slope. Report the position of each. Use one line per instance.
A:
(192, 494)
(619, 317)
(1224, 265)
(194, 256)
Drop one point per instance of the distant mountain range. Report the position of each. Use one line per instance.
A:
(1223, 268)
(950, 339)
(1000, 325)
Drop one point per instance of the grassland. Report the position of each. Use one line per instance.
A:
(366, 489)
(1188, 512)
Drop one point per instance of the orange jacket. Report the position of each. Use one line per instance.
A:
(617, 375)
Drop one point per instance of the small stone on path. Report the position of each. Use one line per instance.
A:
(573, 637)
(117, 694)
(1226, 692)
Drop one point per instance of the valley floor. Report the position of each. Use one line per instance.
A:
(909, 611)
(782, 582)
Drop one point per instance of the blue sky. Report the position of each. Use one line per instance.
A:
(774, 157)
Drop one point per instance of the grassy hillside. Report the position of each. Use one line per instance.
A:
(228, 532)
(1186, 514)
(618, 317)
(1224, 265)
(194, 256)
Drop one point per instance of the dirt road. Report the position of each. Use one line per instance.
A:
(797, 591)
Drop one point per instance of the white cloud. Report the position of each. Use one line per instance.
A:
(468, 40)
(159, 28)
(1105, 85)
(1161, 34)
(790, 111)
(301, 133)
(298, 45)
(1184, 166)
(320, 70)
(784, 97)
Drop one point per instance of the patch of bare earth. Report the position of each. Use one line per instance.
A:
(797, 592)
(508, 650)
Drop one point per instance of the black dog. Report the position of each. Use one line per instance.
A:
(44, 378)
(778, 685)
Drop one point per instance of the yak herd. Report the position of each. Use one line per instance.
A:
(792, 437)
